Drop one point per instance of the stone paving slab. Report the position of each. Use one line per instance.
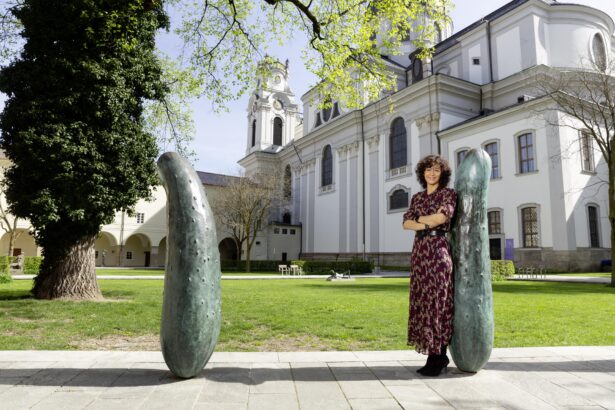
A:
(520, 378)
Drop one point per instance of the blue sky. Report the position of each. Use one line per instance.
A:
(220, 139)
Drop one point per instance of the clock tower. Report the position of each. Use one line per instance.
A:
(272, 113)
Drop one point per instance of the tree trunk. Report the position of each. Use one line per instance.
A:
(612, 214)
(12, 238)
(71, 277)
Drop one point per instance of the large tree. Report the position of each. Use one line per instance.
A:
(73, 128)
(584, 100)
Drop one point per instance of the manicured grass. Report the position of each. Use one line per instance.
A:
(302, 315)
(129, 272)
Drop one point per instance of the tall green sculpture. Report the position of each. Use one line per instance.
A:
(473, 319)
(191, 308)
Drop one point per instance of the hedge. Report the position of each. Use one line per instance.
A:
(32, 265)
(325, 267)
(255, 266)
(5, 275)
(501, 269)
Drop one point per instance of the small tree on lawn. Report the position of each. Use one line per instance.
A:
(586, 97)
(243, 207)
(73, 129)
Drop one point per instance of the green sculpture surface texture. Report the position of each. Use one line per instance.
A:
(191, 308)
(473, 319)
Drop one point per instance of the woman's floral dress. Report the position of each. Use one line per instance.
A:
(430, 325)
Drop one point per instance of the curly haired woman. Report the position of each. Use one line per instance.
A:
(430, 326)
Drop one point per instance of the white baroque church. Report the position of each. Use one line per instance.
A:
(352, 171)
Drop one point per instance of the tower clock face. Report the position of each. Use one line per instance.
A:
(277, 104)
(277, 79)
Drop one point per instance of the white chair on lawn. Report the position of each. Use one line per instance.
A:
(283, 269)
(296, 270)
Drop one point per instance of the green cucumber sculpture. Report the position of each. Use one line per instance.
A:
(473, 319)
(191, 302)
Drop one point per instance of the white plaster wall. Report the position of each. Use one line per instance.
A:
(326, 212)
(511, 190)
(508, 43)
(582, 188)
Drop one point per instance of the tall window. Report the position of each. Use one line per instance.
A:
(277, 131)
(398, 200)
(495, 224)
(598, 51)
(286, 218)
(253, 132)
(592, 216)
(492, 150)
(398, 144)
(587, 152)
(527, 162)
(288, 183)
(529, 227)
(461, 155)
(327, 166)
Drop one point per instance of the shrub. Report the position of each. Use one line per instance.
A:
(255, 266)
(501, 269)
(324, 267)
(5, 275)
(32, 265)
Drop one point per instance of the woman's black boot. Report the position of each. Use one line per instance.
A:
(438, 363)
(430, 360)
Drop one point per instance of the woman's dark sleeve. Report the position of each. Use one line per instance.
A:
(449, 203)
(412, 212)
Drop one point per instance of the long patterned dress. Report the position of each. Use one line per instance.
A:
(430, 325)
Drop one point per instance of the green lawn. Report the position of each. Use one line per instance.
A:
(301, 315)
(129, 272)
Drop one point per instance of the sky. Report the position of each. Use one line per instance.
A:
(220, 139)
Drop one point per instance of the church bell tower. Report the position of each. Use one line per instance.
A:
(272, 113)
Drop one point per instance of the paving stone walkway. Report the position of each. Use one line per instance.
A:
(524, 378)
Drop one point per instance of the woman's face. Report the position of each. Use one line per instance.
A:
(432, 174)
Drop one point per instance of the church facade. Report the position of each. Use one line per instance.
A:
(351, 172)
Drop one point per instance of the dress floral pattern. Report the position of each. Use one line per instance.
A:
(430, 325)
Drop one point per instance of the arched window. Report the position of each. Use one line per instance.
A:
(587, 152)
(288, 183)
(526, 153)
(398, 152)
(327, 166)
(598, 51)
(253, 132)
(326, 114)
(277, 131)
(592, 220)
(529, 227)
(398, 200)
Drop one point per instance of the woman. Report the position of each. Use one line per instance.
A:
(430, 326)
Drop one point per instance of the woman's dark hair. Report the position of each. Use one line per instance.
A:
(428, 162)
